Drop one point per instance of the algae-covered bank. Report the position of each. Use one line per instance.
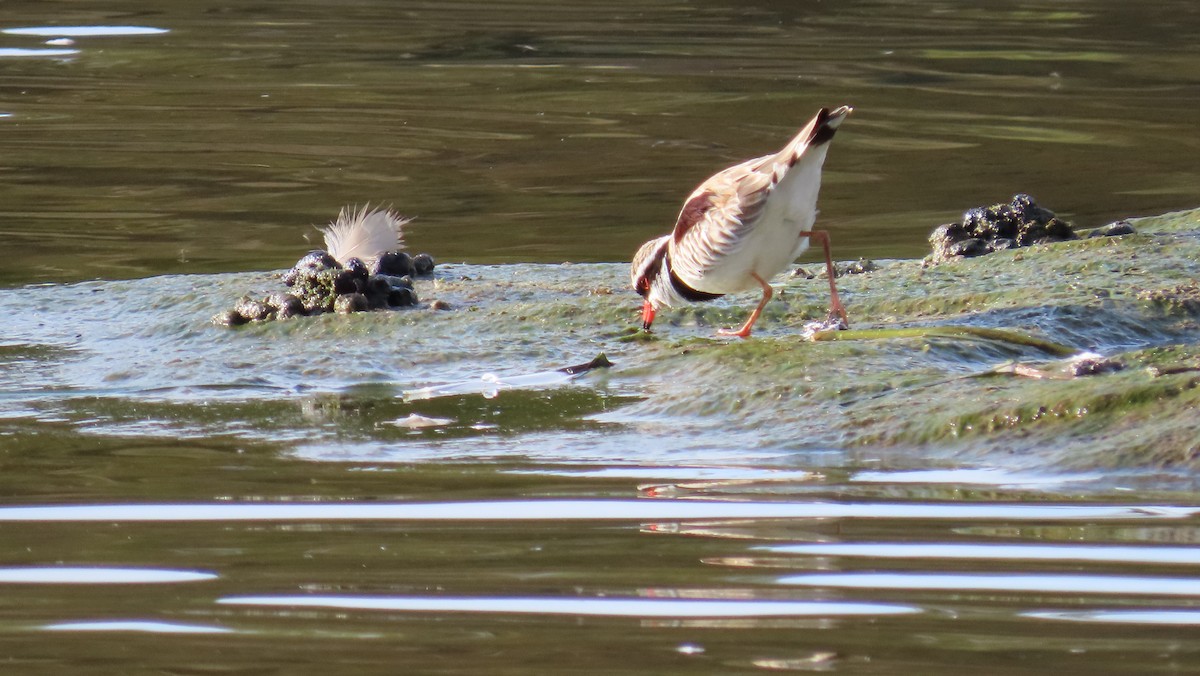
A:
(977, 357)
(972, 360)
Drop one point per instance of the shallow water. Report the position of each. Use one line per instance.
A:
(349, 491)
(543, 132)
(361, 495)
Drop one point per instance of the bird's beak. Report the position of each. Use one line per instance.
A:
(647, 316)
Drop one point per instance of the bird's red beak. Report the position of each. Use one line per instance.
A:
(647, 316)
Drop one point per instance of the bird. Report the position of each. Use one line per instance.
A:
(742, 227)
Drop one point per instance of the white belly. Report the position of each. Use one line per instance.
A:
(777, 237)
(766, 252)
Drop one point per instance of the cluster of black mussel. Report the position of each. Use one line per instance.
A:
(320, 284)
(1019, 222)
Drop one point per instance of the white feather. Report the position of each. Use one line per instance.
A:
(364, 233)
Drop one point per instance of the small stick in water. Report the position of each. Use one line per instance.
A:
(600, 362)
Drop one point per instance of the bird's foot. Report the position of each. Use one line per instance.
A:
(743, 332)
(834, 322)
(837, 313)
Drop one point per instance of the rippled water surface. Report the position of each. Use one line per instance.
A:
(423, 492)
(185, 137)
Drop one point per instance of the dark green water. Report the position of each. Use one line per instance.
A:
(177, 498)
(543, 132)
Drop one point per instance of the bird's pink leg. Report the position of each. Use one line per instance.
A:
(744, 332)
(835, 303)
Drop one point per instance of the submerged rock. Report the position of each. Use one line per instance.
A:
(318, 291)
(285, 305)
(229, 318)
(347, 282)
(843, 268)
(1094, 365)
(1182, 299)
(358, 269)
(310, 265)
(320, 284)
(1113, 230)
(254, 310)
(394, 263)
(423, 265)
(404, 297)
(982, 230)
(377, 290)
(400, 264)
(840, 269)
(351, 302)
(338, 279)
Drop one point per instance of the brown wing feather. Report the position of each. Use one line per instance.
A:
(719, 214)
(732, 202)
(693, 212)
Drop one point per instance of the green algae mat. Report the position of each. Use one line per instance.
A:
(978, 357)
(1077, 354)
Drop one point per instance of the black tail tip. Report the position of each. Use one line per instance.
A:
(827, 124)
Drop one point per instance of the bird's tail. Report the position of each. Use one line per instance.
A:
(818, 131)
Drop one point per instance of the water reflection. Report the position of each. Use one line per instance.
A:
(996, 552)
(137, 626)
(84, 31)
(825, 661)
(1016, 582)
(598, 607)
(991, 476)
(582, 510)
(695, 476)
(540, 132)
(98, 575)
(1149, 616)
(536, 132)
(19, 52)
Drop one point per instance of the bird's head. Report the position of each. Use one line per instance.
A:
(644, 273)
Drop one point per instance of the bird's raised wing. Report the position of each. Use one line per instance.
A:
(719, 214)
(717, 217)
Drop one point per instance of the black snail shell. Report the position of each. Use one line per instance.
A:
(394, 263)
(423, 265)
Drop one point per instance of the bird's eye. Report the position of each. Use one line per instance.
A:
(642, 286)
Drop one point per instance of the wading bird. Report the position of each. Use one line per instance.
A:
(742, 227)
